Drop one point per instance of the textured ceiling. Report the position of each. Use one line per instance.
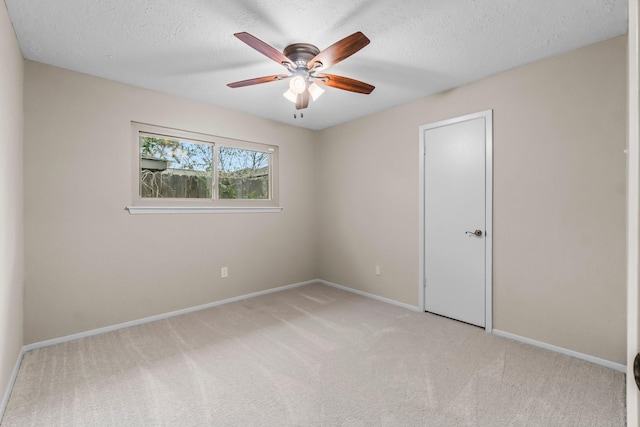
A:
(418, 47)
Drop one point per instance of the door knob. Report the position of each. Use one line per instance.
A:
(477, 232)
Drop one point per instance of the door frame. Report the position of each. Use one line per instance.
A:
(488, 119)
(633, 211)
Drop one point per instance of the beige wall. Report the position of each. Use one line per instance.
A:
(559, 198)
(11, 222)
(89, 263)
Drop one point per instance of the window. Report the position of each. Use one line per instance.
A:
(179, 171)
(242, 173)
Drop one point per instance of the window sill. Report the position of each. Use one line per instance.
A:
(146, 210)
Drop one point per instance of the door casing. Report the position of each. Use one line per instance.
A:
(488, 119)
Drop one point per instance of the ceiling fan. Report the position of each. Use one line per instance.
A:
(305, 62)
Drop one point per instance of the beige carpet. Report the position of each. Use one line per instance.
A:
(310, 356)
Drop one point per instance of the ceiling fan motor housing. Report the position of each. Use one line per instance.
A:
(301, 53)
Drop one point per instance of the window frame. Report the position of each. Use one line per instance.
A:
(142, 205)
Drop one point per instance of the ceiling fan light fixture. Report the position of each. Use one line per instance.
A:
(298, 84)
(302, 61)
(315, 91)
(291, 96)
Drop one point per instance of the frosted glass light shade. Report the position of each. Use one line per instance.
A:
(315, 91)
(293, 97)
(297, 84)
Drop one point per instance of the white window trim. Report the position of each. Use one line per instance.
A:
(145, 210)
(141, 205)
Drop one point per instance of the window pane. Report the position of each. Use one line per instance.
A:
(243, 174)
(174, 168)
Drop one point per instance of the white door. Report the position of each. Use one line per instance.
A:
(455, 215)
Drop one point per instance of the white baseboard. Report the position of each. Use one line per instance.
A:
(111, 328)
(582, 356)
(118, 326)
(372, 296)
(12, 381)
(596, 360)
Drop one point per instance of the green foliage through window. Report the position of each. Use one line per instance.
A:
(179, 168)
(183, 155)
(243, 174)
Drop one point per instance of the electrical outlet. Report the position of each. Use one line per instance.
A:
(224, 272)
(378, 270)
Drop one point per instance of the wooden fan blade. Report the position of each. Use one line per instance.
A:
(303, 100)
(340, 50)
(264, 48)
(258, 80)
(344, 83)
